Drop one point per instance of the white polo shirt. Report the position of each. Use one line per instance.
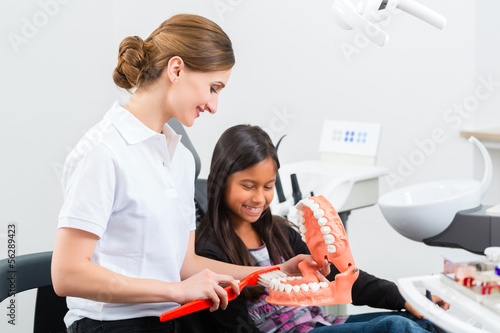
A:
(134, 188)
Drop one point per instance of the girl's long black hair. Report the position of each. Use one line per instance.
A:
(239, 148)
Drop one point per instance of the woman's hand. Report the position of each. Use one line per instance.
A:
(207, 285)
(437, 300)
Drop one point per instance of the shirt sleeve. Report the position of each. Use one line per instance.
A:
(376, 292)
(89, 183)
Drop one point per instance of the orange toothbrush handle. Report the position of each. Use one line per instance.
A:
(186, 309)
(194, 306)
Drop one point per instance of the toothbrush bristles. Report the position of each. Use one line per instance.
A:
(266, 278)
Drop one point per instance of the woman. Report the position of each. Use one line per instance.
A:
(124, 250)
(239, 228)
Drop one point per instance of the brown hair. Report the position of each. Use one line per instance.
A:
(201, 43)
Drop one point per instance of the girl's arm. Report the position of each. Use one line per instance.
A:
(73, 274)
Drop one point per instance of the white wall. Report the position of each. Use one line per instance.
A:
(488, 59)
(487, 115)
(293, 71)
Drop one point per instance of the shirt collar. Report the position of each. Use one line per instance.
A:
(134, 131)
(130, 128)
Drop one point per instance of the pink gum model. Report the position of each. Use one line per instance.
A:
(322, 230)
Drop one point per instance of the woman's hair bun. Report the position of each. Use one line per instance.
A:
(132, 62)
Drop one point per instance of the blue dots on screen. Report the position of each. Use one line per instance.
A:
(354, 137)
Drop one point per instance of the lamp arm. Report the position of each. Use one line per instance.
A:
(422, 12)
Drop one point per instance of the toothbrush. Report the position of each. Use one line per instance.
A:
(262, 277)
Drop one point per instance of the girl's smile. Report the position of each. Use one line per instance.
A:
(249, 192)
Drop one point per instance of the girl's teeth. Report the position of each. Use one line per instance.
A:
(252, 209)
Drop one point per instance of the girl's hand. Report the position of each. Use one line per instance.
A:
(325, 270)
(291, 267)
(206, 285)
(442, 304)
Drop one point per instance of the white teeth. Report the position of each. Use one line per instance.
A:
(314, 286)
(326, 230)
(288, 288)
(319, 213)
(274, 284)
(331, 248)
(329, 239)
(322, 221)
(308, 202)
(271, 284)
(278, 286)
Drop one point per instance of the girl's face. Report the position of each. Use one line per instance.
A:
(196, 92)
(249, 192)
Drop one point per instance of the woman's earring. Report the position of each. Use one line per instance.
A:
(175, 80)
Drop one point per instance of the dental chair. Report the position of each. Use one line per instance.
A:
(32, 271)
(200, 195)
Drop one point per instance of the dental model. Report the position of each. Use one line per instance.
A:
(322, 230)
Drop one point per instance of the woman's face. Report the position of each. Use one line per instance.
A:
(196, 92)
(249, 192)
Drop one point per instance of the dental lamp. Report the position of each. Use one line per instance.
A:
(361, 15)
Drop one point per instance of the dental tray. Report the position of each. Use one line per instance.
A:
(469, 312)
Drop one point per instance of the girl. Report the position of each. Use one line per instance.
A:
(239, 228)
(124, 250)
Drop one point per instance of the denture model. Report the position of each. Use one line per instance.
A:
(322, 230)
